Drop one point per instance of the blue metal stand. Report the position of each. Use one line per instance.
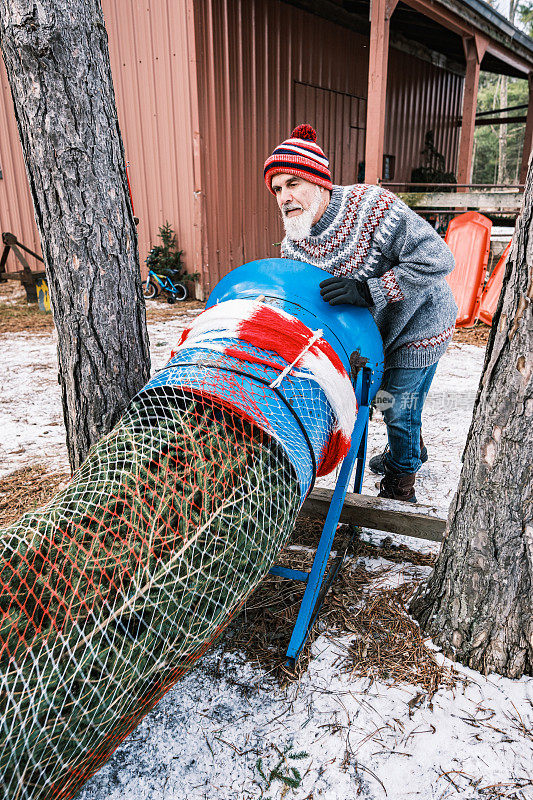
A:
(317, 583)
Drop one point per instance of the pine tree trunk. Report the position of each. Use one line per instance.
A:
(57, 61)
(478, 604)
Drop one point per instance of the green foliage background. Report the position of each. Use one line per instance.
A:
(486, 154)
(485, 168)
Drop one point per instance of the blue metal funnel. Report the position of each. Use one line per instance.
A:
(294, 287)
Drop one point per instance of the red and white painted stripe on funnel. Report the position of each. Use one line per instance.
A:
(275, 330)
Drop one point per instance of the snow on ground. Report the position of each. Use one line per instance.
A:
(31, 418)
(205, 738)
(225, 727)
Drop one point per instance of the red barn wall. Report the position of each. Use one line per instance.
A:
(150, 56)
(266, 66)
(204, 97)
(421, 97)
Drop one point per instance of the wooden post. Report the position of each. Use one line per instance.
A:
(381, 12)
(528, 135)
(474, 51)
(199, 257)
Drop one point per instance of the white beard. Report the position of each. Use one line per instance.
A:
(300, 227)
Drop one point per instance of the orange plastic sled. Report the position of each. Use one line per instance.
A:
(468, 237)
(491, 292)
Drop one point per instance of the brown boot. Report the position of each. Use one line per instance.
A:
(398, 486)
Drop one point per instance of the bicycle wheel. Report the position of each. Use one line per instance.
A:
(151, 289)
(181, 292)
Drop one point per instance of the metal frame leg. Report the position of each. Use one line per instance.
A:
(317, 588)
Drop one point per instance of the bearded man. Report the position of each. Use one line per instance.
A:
(382, 256)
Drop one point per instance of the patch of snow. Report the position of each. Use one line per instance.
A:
(31, 415)
(31, 418)
(205, 738)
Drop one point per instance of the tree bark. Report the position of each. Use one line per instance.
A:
(57, 61)
(478, 604)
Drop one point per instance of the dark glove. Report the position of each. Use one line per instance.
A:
(339, 290)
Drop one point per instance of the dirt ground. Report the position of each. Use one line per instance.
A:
(478, 335)
(160, 311)
(16, 315)
(28, 488)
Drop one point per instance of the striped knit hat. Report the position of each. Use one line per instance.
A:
(300, 155)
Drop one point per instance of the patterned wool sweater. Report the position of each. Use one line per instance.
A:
(369, 234)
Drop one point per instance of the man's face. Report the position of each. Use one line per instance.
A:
(301, 203)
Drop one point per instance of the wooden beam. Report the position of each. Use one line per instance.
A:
(199, 257)
(474, 50)
(482, 201)
(381, 12)
(380, 514)
(443, 16)
(389, 10)
(454, 22)
(528, 135)
(499, 120)
(500, 110)
(509, 57)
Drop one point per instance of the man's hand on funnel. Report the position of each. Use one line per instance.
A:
(339, 290)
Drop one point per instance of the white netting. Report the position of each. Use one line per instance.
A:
(113, 590)
(116, 587)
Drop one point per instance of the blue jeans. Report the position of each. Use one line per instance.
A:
(403, 415)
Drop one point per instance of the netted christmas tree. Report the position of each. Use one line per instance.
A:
(114, 589)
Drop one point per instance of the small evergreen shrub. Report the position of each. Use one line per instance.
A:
(165, 259)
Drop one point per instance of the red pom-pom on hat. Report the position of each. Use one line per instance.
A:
(305, 132)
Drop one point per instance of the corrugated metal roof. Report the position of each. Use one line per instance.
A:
(493, 16)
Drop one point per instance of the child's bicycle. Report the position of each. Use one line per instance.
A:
(155, 284)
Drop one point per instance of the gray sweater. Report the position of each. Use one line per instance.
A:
(369, 234)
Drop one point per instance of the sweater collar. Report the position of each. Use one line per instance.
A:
(330, 213)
